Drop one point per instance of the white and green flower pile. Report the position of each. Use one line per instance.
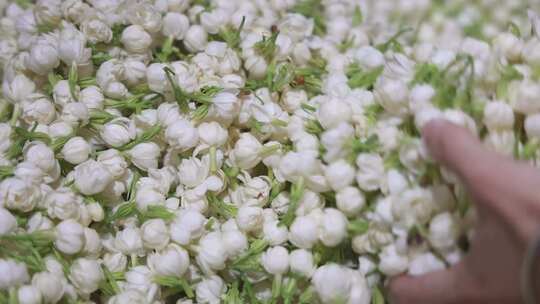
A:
(239, 151)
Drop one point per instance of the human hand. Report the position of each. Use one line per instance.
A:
(507, 198)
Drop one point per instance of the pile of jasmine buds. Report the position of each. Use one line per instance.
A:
(247, 151)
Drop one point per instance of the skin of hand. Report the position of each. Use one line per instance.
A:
(507, 197)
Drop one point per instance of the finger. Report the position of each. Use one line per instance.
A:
(440, 287)
(456, 148)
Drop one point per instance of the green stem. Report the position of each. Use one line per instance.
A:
(15, 115)
(213, 160)
(134, 260)
(269, 150)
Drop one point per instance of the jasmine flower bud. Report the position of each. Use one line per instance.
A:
(171, 261)
(443, 231)
(145, 155)
(115, 261)
(371, 171)
(246, 151)
(333, 112)
(135, 39)
(195, 38)
(333, 227)
(392, 262)
(498, 115)
(18, 89)
(339, 174)
(210, 290)
(350, 200)
(212, 134)
(129, 241)
(182, 135)
(8, 223)
(369, 57)
(275, 260)
(50, 285)
(249, 219)
(212, 252)
(332, 283)
(17, 194)
(114, 162)
(155, 234)
(301, 262)
(187, 226)
(303, 232)
(86, 275)
(425, 263)
(274, 234)
(235, 242)
(43, 58)
(175, 25)
(29, 294)
(69, 237)
(76, 150)
(14, 274)
(91, 177)
(532, 126)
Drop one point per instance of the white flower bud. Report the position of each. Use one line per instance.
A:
(29, 294)
(213, 21)
(350, 200)
(413, 206)
(171, 261)
(339, 174)
(75, 113)
(147, 196)
(301, 262)
(235, 242)
(92, 246)
(303, 232)
(76, 150)
(334, 112)
(69, 237)
(72, 46)
(118, 132)
(50, 285)
(523, 97)
(391, 262)
(129, 241)
(92, 97)
(250, 219)
(43, 58)
(274, 233)
(509, 46)
(155, 234)
(370, 171)
(63, 204)
(91, 177)
(39, 222)
(333, 227)
(182, 135)
(62, 94)
(424, 116)
(18, 89)
(532, 126)
(115, 262)
(210, 290)
(369, 58)
(443, 231)
(140, 278)
(393, 95)
(256, 66)
(86, 275)
(42, 156)
(135, 39)
(96, 31)
(114, 162)
(425, 263)
(129, 296)
(145, 156)
(39, 109)
(175, 25)
(8, 222)
(421, 97)
(332, 283)
(96, 212)
(246, 151)
(212, 252)
(212, 134)
(275, 260)
(17, 194)
(189, 225)
(498, 115)
(13, 274)
(195, 38)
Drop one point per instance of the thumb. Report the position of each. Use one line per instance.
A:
(440, 287)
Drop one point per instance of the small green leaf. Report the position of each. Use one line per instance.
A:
(358, 17)
(376, 296)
